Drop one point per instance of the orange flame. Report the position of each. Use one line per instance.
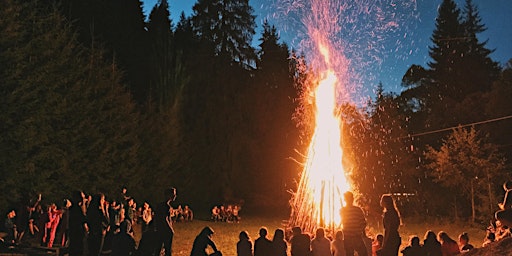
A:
(318, 200)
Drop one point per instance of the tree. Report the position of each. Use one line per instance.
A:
(228, 26)
(476, 59)
(273, 131)
(118, 27)
(69, 123)
(167, 77)
(467, 163)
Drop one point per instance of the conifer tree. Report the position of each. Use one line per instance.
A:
(69, 124)
(228, 25)
(480, 69)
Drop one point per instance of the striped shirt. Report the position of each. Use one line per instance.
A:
(353, 220)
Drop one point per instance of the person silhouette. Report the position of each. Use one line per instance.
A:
(164, 223)
(354, 225)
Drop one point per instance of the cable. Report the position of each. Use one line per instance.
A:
(451, 128)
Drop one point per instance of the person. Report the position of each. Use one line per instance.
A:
(215, 214)
(504, 215)
(262, 245)
(448, 246)
(10, 227)
(163, 222)
(24, 219)
(377, 244)
(147, 216)
(464, 244)
(391, 222)
(188, 214)
(354, 226)
(431, 246)
(244, 245)
(202, 241)
(77, 224)
(50, 227)
(320, 245)
(123, 243)
(149, 242)
(300, 243)
(279, 245)
(414, 248)
(500, 231)
(98, 222)
(338, 245)
(490, 238)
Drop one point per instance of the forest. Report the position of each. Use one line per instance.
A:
(97, 96)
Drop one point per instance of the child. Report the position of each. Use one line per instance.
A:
(377, 244)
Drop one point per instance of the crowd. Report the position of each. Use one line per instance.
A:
(229, 213)
(93, 225)
(352, 238)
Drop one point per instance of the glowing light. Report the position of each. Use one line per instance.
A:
(318, 199)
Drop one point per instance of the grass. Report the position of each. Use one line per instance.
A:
(226, 234)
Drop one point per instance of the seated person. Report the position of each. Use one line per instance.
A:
(188, 215)
(504, 215)
(216, 214)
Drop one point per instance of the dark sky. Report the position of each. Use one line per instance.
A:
(377, 53)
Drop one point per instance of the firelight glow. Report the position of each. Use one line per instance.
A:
(318, 199)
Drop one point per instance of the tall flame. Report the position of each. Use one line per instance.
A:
(318, 199)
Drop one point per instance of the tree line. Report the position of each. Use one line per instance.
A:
(96, 96)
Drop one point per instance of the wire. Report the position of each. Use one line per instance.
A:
(451, 128)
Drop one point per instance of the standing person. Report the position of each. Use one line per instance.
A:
(10, 227)
(202, 241)
(431, 246)
(300, 243)
(77, 225)
(449, 246)
(320, 245)
(164, 224)
(244, 245)
(354, 225)
(279, 245)
(504, 215)
(98, 222)
(262, 245)
(147, 216)
(50, 227)
(391, 222)
(338, 245)
(64, 223)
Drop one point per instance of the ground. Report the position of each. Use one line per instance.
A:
(503, 247)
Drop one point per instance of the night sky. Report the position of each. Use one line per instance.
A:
(391, 52)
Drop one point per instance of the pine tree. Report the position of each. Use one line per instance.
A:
(118, 26)
(480, 69)
(69, 124)
(228, 25)
(165, 79)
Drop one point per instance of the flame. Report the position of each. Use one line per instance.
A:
(318, 199)
(319, 196)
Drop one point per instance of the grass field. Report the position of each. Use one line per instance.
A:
(226, 234)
